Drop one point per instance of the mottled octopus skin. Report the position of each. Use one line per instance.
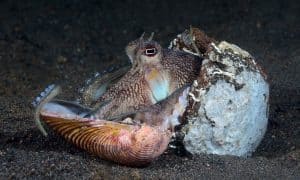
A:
(139, 87)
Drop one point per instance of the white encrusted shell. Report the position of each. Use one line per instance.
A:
(233, 114)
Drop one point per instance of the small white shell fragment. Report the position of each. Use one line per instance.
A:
(233, 104)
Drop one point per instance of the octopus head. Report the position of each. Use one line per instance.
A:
(149, 52)
(142, 51)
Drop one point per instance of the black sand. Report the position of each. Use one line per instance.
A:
(66, 42)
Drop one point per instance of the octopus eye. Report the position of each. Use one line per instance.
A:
(150, 51)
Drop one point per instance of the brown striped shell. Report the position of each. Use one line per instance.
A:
(132, 145)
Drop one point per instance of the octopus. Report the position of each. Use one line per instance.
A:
(128, 116)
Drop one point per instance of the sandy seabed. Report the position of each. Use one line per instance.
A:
(66, 42)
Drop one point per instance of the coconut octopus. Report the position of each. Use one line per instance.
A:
(130, 121)
(210, 96)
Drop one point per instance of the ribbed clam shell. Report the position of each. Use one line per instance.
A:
(132, 145)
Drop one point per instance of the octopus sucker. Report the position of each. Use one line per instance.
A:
(46, 96)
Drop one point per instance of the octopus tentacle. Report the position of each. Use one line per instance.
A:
(46, 96)
(100, 84)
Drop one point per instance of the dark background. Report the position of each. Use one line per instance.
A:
(44, 42)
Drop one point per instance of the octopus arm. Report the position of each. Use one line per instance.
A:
(101, 84)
